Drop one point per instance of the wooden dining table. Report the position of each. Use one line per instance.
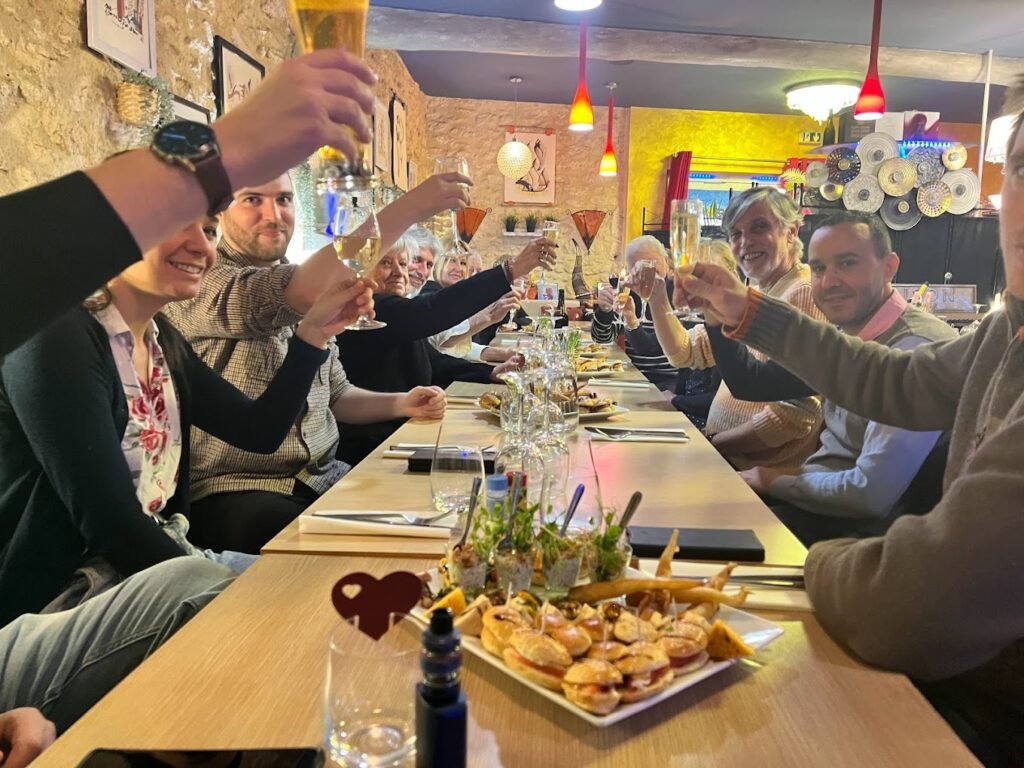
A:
(686, 485)
(248, 672)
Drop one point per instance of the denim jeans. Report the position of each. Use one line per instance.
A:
(63, 663)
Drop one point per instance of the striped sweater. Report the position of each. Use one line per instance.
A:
(641, 344)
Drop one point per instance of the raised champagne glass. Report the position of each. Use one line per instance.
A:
(645, 273)
(356, 236)
(454, 165)
(318, 25)
(684, 238)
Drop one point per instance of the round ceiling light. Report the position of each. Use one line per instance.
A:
(819, 100)
(577, 5)
(515, 159)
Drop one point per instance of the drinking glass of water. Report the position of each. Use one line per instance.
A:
(451, 481)
(369, 694)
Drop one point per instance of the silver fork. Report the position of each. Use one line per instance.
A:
(409, 518)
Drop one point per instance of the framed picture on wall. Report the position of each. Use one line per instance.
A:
(413, 176)
(382, 140)
(123, 30)
(537, 187)
(235, 74)
(399, 147)
(189, 110)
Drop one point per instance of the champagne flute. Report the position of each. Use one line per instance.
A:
(356, 236)
(321, 24)
(453, 165)
(549, 231)
(684, 237)
(645, 273)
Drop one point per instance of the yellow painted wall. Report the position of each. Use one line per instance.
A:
(656, 134)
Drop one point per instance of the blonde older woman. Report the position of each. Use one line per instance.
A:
(762, 225)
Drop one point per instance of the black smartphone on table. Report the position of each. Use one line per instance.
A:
(214, 758)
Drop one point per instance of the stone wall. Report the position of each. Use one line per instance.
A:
(476, 129)
(57, 105)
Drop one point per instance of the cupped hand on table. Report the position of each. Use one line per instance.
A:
(425, 403)
(24, 734)
(514, 363)
(760, 479)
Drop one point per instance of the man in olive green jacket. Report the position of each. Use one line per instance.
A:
(938, 596)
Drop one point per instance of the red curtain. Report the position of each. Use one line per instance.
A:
(678, 182)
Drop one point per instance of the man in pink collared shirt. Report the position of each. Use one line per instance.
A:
(853, 484)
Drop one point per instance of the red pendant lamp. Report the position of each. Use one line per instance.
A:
(871, 102)
(609, 165)
(581, 115)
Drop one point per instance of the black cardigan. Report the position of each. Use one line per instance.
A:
(749, 378)
(399, 357)
(48, 269)
(66, 493)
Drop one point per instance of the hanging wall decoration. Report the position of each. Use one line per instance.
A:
(399, 145)
(382, 140)
(235, 74)
(124, 31)
(537, 185)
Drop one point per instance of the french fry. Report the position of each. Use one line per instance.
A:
(701, 595)
(606, 590)
(665, 561)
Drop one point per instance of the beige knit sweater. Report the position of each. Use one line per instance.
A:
(789, 428)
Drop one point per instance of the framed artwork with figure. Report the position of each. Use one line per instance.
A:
(382, 139)
(537, 186)
(235, 74)
(123, 30)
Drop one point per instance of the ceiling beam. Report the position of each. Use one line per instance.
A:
(407, 30)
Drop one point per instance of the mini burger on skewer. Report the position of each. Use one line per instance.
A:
(591, 685)
(499, 623)
(593, 622)
(610, 650)
(645, 671)
(537, 657)
(686, 644)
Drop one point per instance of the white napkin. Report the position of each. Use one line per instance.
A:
(315, 523)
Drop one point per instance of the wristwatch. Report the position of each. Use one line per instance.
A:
(193, 146)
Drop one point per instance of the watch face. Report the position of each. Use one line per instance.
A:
(184, 138)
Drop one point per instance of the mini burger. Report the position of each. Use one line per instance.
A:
(592, 621)
(499, 623)
(686, 644)
(549, 618)
(591, 685)
(572, 638)
(645, 671)
(629, 629)
(537, 657)
(610, 650)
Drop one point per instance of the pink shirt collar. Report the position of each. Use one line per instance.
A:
(883, 319)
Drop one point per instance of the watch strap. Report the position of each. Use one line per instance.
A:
(213, 178)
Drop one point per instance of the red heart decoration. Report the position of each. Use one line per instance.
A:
(373, 600)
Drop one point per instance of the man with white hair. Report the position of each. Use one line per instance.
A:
(641, 344)
(421, 265)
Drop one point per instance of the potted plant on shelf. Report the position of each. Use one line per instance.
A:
(532, 219)
(511, 220)
(550, 217)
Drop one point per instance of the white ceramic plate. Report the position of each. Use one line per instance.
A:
(755, 631)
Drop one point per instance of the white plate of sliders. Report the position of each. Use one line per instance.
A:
(604, 669)
(592, 407)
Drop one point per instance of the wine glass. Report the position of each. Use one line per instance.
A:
(356, 235)
(453, 165)
(452, 471)
(319, 26)
(645, 273)
(684, 236)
